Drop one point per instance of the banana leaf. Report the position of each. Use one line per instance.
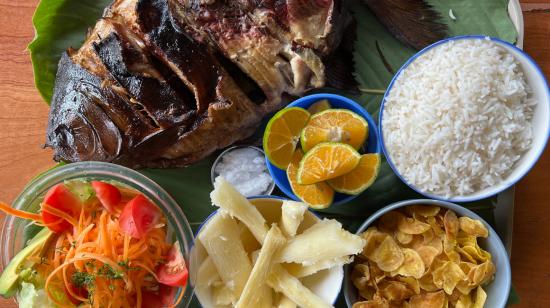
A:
(61, 24)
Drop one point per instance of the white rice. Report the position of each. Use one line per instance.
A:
(458, 118)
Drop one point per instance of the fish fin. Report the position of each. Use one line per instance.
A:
(414, 22)
(340, 66)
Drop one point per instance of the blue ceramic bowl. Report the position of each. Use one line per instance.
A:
(336, 101)
(497, 291)
(540, 122)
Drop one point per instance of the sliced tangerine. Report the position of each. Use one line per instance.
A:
(319, 106)
(326, 161)
(360, 178)
(335, 125)
(282, 134)
(318, 195)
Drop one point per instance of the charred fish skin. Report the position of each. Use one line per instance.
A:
(152, 23)
(227, 108)
(130, 67)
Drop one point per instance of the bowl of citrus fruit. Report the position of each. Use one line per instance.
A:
(322, 149)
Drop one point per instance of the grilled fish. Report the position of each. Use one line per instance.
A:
(164, 83)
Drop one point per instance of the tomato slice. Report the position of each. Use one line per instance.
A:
(174, 272)
(138, 217)
(108, 195)
(126, 222)
(59, 197)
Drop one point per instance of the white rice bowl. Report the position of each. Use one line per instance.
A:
(458, 118)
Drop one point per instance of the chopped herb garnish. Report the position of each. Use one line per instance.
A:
(108, 272)
(82, 279)
(126, 265)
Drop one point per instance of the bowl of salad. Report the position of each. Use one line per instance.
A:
(95, 234)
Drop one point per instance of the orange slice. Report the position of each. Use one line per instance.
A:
(319, 106)
(282, 134)
(318, 195)
(335, 125)
(360, 178)
(326, 161)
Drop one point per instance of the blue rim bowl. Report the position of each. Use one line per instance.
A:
(534, 77)
(336, 101)
(497, 291)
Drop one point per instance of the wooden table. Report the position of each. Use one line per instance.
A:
(23, 117)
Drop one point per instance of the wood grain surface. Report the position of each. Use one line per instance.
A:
(23, 117)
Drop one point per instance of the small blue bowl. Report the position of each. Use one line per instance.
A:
(336, 101)
(497, 290)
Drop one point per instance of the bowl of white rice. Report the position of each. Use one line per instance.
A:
(465, 118)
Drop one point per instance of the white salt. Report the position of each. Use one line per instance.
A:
(246, 170)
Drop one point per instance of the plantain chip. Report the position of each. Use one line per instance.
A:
(465, 254)
(464, 287)
(423, 210)
(482, 273)
(451, 224)
(426, 283)
(454, 297)
(427, 254)
(388, 256)
(449, 247)
(376, 274)
(428, 236)
(447, 276)
(368, 292)
(480, 299)
(477, 253)
(360, 276)
(465, 301)
(473, 227)
(412, 266)
(395, 291)
(403, 238)
(436, 227)
(412, 283)
(410, 225)
(373, 238)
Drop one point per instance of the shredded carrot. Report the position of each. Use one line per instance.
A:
(18, 213)
(126, 246)
(58, 250)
